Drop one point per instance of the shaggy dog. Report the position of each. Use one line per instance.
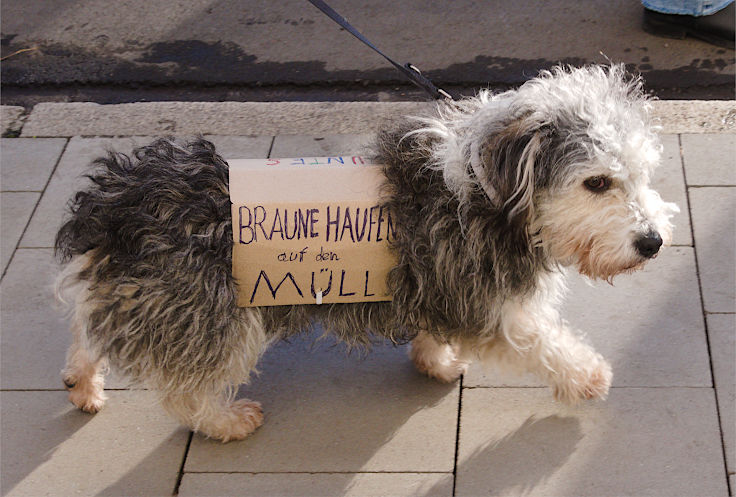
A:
(492, 197)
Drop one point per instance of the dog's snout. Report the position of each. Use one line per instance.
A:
(648, 245)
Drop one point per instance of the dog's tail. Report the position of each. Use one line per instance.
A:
(85, 227)
(124, 190)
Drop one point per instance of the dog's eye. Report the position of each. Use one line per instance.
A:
(597, 184)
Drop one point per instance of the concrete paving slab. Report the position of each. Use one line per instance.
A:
(35, 333)
(490, 375)
(695, 116)
(709, 159)
(27, 163)
(10, 118)
(317, 485)
(669, 181)
(15, 211)
(321, 146)
(327, 412)
(722, 336)
(714, 221)
(213, 118)
(299, 118)
(649, 325)
(651, 441)
(241, 147)
(51, 448)
(75, 162)
(66, 180)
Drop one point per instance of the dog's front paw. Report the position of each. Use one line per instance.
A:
(585, 383)
(87, 394)
(244, 417)
(446, 372)
(436, 360)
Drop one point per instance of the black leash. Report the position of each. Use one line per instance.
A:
(408, 70)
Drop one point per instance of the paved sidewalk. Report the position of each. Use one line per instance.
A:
(351, 425)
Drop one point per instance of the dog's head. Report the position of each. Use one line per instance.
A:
(568, 158)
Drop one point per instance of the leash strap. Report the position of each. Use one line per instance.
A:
(408, 70)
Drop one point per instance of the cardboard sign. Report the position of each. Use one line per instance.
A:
(309, 230)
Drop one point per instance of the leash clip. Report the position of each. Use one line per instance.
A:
(425, 83)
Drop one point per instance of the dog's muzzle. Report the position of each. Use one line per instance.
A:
(648, 245)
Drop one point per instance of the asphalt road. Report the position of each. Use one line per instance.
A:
(137, 50)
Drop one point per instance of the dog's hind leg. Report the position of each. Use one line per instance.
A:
(214, 414)
(435, 359)
(83, 375)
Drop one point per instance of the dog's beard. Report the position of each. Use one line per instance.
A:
(602, 255)
(596, 268)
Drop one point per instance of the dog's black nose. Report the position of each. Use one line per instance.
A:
(648, 245)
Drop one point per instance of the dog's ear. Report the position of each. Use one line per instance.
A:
(508, 169)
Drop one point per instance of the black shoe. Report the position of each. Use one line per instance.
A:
(717, 29)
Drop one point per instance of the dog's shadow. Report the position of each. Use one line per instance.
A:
(502, 466)
(330, 411)
(48, 430)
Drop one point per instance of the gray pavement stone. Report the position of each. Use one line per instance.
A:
(649, 325)
(212, 118)
(15, 211)
(35, 333)
(26, 163)
(650, 441)
(66, 180)
(10, 118)
(298, 118)
(317, 485)
(51, 448)
(669, 181)
(320, 146)
(491, 375)
(76, 160)
(241, 147)
(710, 159)
(721, 333)
(326, 411)
(714, 221)
(695, 116)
